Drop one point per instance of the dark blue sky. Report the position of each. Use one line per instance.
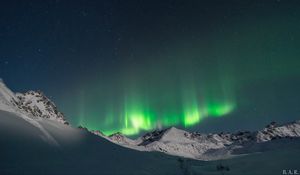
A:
(95, 57)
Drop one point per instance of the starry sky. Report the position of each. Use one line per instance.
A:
(134, 66)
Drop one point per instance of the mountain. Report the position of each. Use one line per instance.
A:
(35, 139)
(34, 143)
(272, 131)
(200, 146)
(32, 103)
(37, 104)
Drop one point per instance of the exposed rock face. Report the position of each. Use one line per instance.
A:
(272, 131)
(38, 105)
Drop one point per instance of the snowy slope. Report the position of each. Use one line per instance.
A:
(271, 162)
(10, 103)
(32, 143)
(35, 144)
(119, 139)
(7, 98)
(23, 150)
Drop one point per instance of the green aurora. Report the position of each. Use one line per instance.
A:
(135, 66)
(184, 106)
(137, 118)
(230, 69)
(185, 87)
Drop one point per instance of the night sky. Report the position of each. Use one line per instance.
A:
(133, 66)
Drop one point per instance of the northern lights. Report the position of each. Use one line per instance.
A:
(137, 118)
(135, 66)
(147, 107)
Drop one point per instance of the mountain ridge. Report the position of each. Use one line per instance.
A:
(34, 105)
(202, 146)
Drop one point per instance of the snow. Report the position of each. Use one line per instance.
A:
(37, 104)
(180, 143)
(273, 132)
(8, 102)
(24, 150)
(6, 97)
(200, 146)
(266, 163)
(33, 142)
(32, 104)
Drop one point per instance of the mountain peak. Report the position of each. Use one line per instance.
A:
(119, 138)
(174, 130)
(33, 103)
(196, 145)
(152, 136)
(38, 105)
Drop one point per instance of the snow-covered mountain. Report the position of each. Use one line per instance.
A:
(38, 105)
(272, 131)
(196, 145)
(32, 103)
(34, 139)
